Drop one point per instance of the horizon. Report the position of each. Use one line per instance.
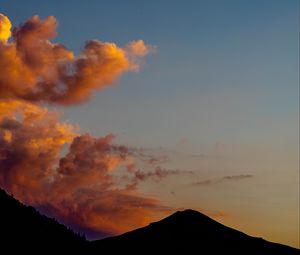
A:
(174, 216)
(115, 114)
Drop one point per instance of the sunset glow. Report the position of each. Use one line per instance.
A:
(112, 117)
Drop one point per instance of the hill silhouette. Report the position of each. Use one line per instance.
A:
(22, 228)
(189, 232)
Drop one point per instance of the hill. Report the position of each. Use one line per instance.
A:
(22, 228)
(189, 232)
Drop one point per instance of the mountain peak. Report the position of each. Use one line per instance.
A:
(188, 213)
(187, 231)
(189, 217)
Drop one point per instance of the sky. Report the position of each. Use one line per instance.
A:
(195, 105)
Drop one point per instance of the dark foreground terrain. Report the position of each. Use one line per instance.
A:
(22, 228)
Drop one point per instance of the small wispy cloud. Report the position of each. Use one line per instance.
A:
(209, 182)
(237, 177)
(205, 182)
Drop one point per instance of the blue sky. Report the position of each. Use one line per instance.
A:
(225, 72)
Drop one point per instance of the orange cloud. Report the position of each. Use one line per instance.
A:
(80, 187)
(31, 139)
(5, 26)
(35, 69)
(139, 49)
(78, 179)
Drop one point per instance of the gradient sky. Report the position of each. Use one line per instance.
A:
(219, 97)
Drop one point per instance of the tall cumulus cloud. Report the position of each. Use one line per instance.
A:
(85, 182)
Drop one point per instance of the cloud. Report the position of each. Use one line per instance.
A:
(5, 26)
(205, 182)
(79, 188)
(151, 160)
(237, 177)
(139, 49)
(224, 178)
(157, 174)
(47, 163)
(35, 69)
(36, 138)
